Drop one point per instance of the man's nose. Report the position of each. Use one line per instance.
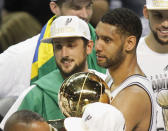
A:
(165, 23)
(98, 45)
(64, 51)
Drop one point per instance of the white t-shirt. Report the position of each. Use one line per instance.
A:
(15, 67)
(155, 67)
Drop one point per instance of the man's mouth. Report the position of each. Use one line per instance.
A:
(100, 57)
(66, 63)
(163, 32)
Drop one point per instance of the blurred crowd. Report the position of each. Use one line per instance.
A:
(23, 19)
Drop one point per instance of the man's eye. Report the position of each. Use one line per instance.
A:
(71, 45)
(107, 40)
(157, 15)
(97, 37)
(76, 7)
(58, 47)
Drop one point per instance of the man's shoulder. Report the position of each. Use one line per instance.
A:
(138, 81)
(29, 44)
(55, 73)
(29, 90)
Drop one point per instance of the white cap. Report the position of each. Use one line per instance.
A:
(68, 26)
(157, 4)
(97, 117)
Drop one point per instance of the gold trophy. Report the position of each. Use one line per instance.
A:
(162, 100)
(79, 90)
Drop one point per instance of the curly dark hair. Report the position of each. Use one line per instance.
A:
(127, 22)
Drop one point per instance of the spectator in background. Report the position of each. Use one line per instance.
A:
(100, 7)
(152, 52)
(1, 6)
(37, 8)
(16, 27)
(134, 5)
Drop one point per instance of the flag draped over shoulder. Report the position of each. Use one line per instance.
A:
(44, 61)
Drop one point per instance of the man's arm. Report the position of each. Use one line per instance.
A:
(135, 104)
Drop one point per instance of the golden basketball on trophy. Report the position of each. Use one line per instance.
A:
(79, 90)
(162, 100)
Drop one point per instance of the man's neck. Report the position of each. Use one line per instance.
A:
(127, 69)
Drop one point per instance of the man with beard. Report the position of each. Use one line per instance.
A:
(30, 59)
(71, 40)
(152, 50)
(118, 34)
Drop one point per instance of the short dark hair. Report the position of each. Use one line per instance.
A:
(85, 41)
(126, 21)
(60, 2)
(25, 116)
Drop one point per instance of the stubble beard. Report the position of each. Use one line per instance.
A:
(115, 62)
(156, 37)
(75, 69)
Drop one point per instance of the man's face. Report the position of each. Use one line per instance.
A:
(81, 8)
(158, 21)
(70, 55)
(109, 46)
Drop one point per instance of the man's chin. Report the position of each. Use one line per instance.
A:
(66, 74)
(67, 71)
(102, 65)
(160, 39)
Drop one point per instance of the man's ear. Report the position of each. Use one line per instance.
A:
(89, 47)
(55, 9)
(145, 12)
(130, 43)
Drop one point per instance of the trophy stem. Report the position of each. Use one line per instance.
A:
(165, 116)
